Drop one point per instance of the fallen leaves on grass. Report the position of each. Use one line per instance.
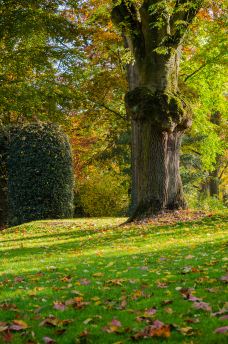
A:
(187, 331)
(60, 306)
(187, 294)
(138, 285)
(3, 326)
(202, 305)
(55, 322)
(18, 325)
(223, 329)
(15, 325)
(8, 307)
(113, 326)
(224, 279)
(157, 329)
(48, 340)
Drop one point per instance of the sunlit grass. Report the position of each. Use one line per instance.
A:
(106, 264)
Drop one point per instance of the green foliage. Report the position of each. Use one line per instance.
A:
(40, 173)
(36, 45)
(204, 82)
(204, 203)
(104, 193)
(3, 176)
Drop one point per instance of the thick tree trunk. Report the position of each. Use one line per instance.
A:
(158, 122)
(155, 167)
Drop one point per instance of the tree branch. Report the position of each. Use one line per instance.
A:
(195, 72)
(201, 67)
(108, 108)
(223, 170)
(112, 110)
(125, 16)
(183, 15)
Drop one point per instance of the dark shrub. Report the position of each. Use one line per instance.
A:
(3, 177)
(40, 173)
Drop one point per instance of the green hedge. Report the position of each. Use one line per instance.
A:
(40, 171)
(3, 177)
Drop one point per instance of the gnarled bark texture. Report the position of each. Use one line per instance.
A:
(159, 115)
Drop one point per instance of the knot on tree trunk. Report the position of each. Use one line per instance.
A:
(164, 110)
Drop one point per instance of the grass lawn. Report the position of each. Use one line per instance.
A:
(91, 281)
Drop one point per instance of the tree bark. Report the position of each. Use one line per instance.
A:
(158, 122)
(155, 167)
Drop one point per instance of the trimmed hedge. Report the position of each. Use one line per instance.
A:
(3, 178)
(40, 171)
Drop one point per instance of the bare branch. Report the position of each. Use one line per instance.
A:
(195, 72)
(112, 110)
(222, 172)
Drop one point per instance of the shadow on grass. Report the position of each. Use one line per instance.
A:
(78, 231)
(33, 294)
(80, 240)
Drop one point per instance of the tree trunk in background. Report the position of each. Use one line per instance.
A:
(210, 186)
(158, 113)
(214, 183)
(214, 175)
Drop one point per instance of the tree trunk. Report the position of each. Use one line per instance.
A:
(214, 181)
(155, 165)
(159, 119)
(156, 177)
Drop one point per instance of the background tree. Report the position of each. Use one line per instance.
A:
(203, 81)
(37, 47)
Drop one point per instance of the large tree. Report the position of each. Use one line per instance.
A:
(153, 30)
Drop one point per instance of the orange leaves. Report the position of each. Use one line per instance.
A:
(18, 325)
(76, 302)
(137, 294)
(158, 329)
(115, 281)
(205, 14)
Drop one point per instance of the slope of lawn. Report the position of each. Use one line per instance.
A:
(92, 281)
